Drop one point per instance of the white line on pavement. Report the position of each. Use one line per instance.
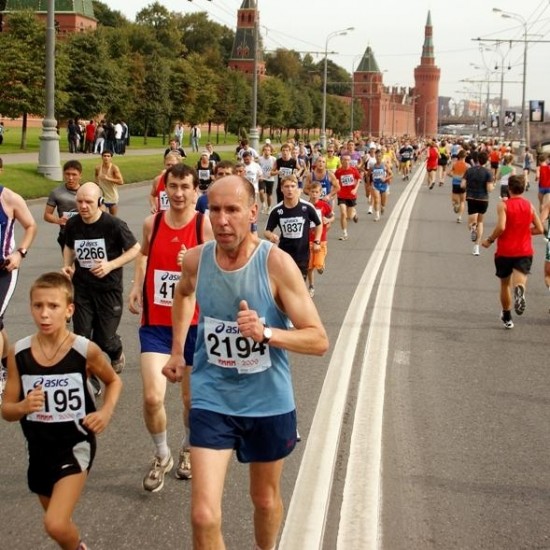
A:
(306, 518)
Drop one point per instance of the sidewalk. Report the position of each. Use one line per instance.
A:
(27, 158)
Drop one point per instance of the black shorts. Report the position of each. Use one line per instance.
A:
(255, 439)
(266, 185)
(350, 203)
(48, 465)
(8, 282)
(494, 165)
(476, 206)
(504, 193)
(505, 265)
(457, 190)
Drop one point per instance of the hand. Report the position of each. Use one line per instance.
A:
(135, 301)
(101, 268)
(174, 368)
(96, 422)
(13, 261)
(34, 401)
(68, 271)
(249, 323)
(181, 254)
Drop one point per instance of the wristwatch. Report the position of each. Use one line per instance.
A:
(23, 252)
(267, 334)
(316, 242)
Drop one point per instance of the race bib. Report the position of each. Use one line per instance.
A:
(90, 251)
(285, 171)
(347, 180)
(63, 397)
(163, 200)
(227, 348)
(292, 228)
(204, 174)
(165, 284)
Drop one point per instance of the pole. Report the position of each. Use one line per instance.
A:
(49, 159)
(254, 136)
(324, 113)
(523, 141)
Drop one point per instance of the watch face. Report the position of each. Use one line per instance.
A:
(267, 333)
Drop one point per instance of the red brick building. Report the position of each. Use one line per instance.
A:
(70, 15)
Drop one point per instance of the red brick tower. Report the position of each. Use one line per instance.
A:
(242, 54)
(426, 78)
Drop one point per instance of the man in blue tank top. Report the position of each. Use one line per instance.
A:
(247, 290)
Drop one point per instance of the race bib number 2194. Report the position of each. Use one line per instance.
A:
(226, 347)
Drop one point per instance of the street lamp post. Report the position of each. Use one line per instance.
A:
(254, 136)
(49, 158)
(523, 21)
(324, 111)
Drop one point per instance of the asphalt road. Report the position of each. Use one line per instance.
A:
(425, 426)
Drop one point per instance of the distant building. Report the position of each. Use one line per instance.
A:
(242, 54)
(398, 110)
(70, 15)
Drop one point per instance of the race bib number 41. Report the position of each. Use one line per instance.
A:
(63, 394)
(90, 251)
(227, 348)
(165, 283)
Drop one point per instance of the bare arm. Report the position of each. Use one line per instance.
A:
(182, 314)
(97, 364)
(499, 227)
(135, 299)
(308, 336)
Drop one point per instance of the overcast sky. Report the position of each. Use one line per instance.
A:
(395, 31)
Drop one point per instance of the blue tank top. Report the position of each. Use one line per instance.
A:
(7, 236)
(232, 374)
(326, 186)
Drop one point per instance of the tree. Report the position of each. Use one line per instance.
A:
(22, 74)
(91, 84)
(167, 34)
(106, 17)
(286, 64)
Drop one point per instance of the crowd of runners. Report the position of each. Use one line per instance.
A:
(254, 228)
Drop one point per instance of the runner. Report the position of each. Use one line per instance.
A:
(348, 177)
(242, 390)
(167, 235)
(47, 392)
(108, 177)
(458, 194)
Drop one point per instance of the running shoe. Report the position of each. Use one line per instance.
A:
(377, 216)
(432, 186)
(343, 237)
(154, 480)
(369, 211)
(507, 320)
(183, 469)
(119, 364)
(459, 220)
(320, 270)
(311, 291)
(456, 207)
(96, 385)
(355, 218)
(473, 232)
(475, 251)
(519, 299)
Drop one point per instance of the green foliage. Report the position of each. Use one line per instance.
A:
(106, 17)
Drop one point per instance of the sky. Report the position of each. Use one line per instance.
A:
(394, 29)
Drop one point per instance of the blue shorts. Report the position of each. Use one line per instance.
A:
(380, 186)
(255, 439)
(158, 339)
(544, 190)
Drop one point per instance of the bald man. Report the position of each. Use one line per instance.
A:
(97, 245)
(242, 398)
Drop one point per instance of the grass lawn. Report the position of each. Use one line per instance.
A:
(12, 141)
(23, 178)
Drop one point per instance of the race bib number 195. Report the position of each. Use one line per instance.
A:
(64, 397)
(226, 347)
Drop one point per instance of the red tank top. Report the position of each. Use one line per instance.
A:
(160, 193)
(516, 239)
(544, 176)
(163, 273)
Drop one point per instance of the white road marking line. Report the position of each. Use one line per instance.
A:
(308, 509)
